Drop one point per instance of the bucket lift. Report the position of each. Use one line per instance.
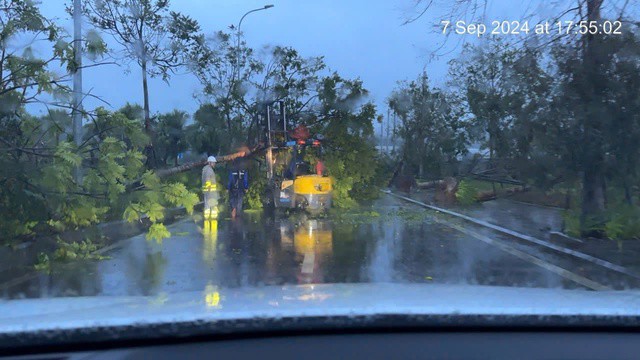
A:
(291, 183)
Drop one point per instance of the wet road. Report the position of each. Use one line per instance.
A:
(399, 243)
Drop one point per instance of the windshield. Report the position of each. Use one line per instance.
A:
(300, 152)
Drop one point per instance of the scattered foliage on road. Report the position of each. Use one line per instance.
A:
(67, 252)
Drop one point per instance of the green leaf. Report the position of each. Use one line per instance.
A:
(154, 211)
(43, 264)
(133, 163)
(158, 232)
(67, 152)
(150, 180)
(130, 213)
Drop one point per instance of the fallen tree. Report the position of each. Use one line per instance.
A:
(430, 184)
(490, 195)
(163, 173)
(447, 188)
(219, 159)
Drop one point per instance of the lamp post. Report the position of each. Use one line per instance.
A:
(238, 44)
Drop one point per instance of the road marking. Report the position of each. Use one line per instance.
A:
(530, 258)
(308, 262)
(578, 254)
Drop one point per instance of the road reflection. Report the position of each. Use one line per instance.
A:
(312, 241)
(212, 296)
(258, 250)
(153, 273)
(210, 240)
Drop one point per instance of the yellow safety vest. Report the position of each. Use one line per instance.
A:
(208, 186)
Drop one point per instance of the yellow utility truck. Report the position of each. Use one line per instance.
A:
(292, 181)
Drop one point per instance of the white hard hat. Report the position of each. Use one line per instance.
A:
(211, 159)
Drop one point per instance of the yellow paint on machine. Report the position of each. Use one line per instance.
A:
(312, 184)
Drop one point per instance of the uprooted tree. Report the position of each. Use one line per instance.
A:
(557, 110)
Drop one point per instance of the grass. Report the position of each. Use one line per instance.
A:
(358, 215)
(622, 220)
(554, 198)
(484, 186)
(365, 215)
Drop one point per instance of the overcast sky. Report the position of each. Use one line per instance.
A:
(358, 38)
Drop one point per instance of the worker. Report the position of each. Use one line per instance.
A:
(210, 189)
(238, 185)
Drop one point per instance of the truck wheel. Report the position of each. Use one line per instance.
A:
(301, 202)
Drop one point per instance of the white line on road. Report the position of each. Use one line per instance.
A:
(530, 258)
(580, 255)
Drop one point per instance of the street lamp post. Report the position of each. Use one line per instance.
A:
(238, 44)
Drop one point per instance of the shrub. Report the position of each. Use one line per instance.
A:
(467, 193)
(623, 223)
(256, 192)
(571, 223)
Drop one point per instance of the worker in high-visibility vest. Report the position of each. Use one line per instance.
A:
(210, 189)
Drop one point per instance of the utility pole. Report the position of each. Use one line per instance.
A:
(77, 80)
(388, 119)
(236, 76)
(381, 141)
(388, 135)
(393, 137)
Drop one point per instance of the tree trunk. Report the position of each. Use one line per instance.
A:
(628, 198)
(145, 90)
(429, 184)
(593, 204)
(396, 172)
(593, 178)
(77, 82)
(220, 159)
(492, 165)
(227, 114)
(149, 150)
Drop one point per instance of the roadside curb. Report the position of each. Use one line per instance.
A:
(564, 238)
(524, 237)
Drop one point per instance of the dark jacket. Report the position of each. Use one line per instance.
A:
(238, 179)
